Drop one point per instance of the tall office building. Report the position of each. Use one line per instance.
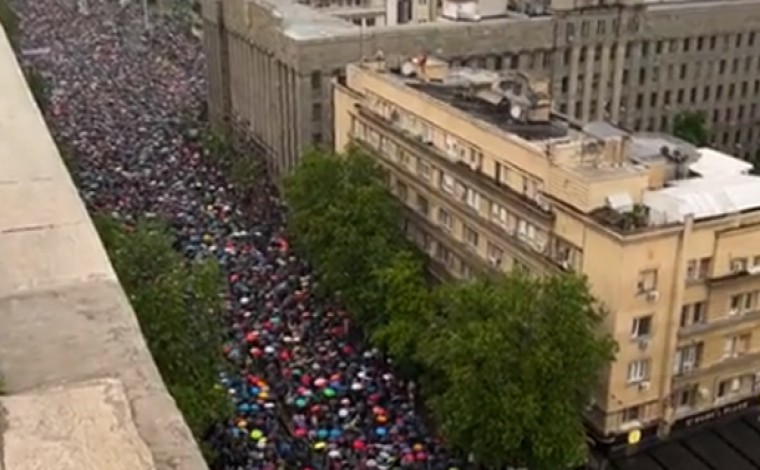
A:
(667, 234)
(634, 62)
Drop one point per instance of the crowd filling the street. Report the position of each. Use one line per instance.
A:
(307, 393)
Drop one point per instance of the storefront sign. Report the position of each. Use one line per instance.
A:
(716, 413)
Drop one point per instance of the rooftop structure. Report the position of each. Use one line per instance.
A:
(493, 180)
(675, 180)
(636, 64)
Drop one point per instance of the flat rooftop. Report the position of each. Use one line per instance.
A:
(304, 23)
(66, 321)
(497, 114)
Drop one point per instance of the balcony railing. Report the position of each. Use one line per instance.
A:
(527, 250)
(491, 189)
(725, 321)
(728, 363)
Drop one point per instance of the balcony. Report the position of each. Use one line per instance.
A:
(738, 274)
(725, 321)
(717, 367)
(490, 188)
(520, 248)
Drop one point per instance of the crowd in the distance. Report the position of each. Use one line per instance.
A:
(307, 394)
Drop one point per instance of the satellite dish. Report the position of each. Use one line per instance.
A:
(516, 111)
(407, 69)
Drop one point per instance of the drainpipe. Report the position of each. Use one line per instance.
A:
(673, 324)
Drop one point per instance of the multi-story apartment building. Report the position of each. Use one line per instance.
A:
(667, 234)
(634, 62)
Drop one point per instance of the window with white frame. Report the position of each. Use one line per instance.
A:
(445, 219)
(495, 254)
(641, 327)
(693, 314)
(498, 214)
(688, 358)
(447, 183)
(638, 370)
(472, 198)
(728, 387)
(736, 345)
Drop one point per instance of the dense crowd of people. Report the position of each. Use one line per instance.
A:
(307, 394)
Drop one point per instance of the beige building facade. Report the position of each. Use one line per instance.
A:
(668, 234)
(637, 64)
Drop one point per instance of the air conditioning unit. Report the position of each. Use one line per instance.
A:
(653, 296)
(643, 344)
(736, 384)
(644, 386)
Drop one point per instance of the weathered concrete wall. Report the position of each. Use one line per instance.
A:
(64, 318)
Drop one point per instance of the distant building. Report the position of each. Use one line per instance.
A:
(634, 62)
(667, 234)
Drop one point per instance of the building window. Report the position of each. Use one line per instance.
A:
(447, 183)
(316, 138)
(472, 198)
(445, 219)
(686, 397)
(736, 345)
(422, 204)
(370, 22)
(424, 169)
(495, 254)
(316, 111)
(638, 371)
(693, 314)
(498, 214)
(647, 281)
(742, 303)
(738, 265)
(471, 237)
(631, 414)
(316, 82)
(697, 269)
(727, 388)
(641, 327)
(688, 358)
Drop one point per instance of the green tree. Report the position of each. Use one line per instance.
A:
(178, 308)
(519, 357)
(409, 303)
(347, 223)
(9, 21)
(692, 127)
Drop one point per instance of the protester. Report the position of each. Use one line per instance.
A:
(307, 395)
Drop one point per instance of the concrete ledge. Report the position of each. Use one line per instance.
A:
(64, 318)
(82, 427)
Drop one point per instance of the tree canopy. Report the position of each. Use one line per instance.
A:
(9, 21)
(507, 363)
(348, 226)
(691, 126)
(178, 308)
